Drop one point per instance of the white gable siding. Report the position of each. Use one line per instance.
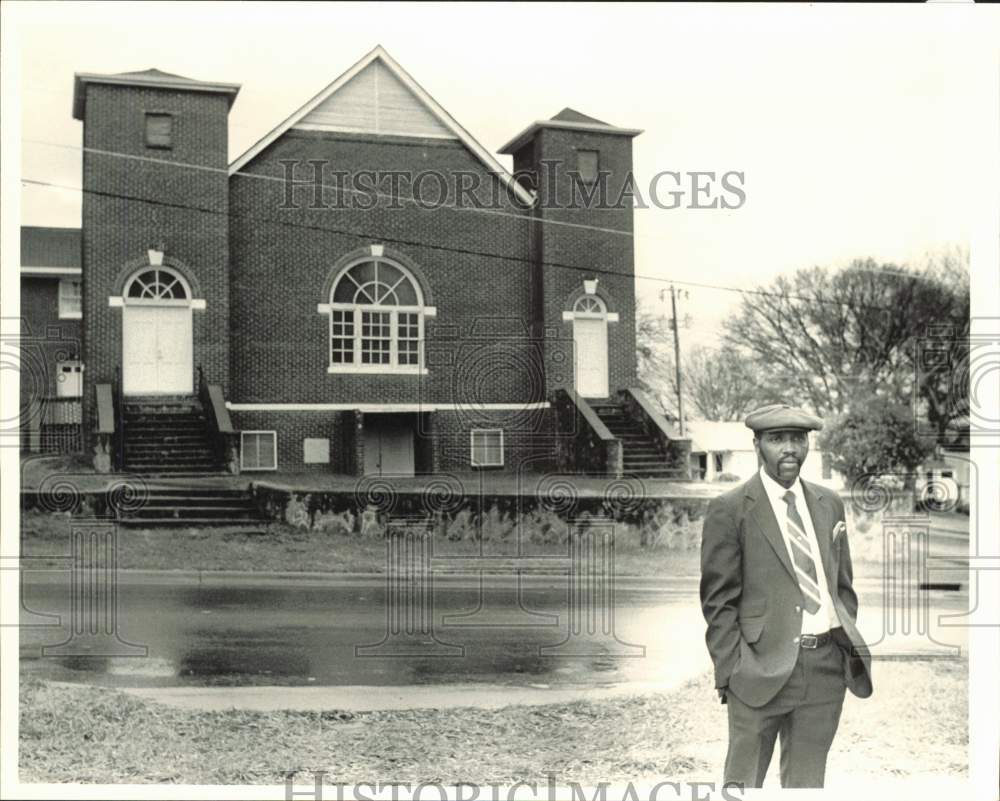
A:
(376, 102)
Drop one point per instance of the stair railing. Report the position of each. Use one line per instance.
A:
(675, 450)
(118, 438)
(220, 426)
(585, 443)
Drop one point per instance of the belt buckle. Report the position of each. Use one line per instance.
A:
(809, 641)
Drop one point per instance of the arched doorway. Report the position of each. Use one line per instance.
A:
(590, 346)
(157, 348)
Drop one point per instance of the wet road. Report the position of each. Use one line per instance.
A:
(339, 632)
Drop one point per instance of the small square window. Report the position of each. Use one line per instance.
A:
(259, 450)
(487, 447)
(587, 164)
(70, 306)
(159, 130)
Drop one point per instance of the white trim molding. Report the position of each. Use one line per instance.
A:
(43, 271)
(428, 311)
(117, 301)
(377, 369)
(387, 407)
(611, 317)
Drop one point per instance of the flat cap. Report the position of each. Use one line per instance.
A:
(781, 415)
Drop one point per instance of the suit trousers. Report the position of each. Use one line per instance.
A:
(804, 714)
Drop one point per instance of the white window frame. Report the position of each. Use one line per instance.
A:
(65, 312)
(472, 447)
(356, 312)
(274, 439)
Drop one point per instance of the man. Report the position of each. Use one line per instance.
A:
(776, 594)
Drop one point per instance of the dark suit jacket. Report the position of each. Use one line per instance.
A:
(749, 592)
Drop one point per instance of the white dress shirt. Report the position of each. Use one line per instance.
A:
(824, 618)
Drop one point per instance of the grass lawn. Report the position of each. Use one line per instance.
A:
(914, 726)
(280, 547)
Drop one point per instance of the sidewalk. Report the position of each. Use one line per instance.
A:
(685, 582)
(363, 698)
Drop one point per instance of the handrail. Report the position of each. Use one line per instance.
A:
(118, 438)
(590, 438)
(674, 449)
(596, 423)
(105, 409)
(651, 413)
(213, 403)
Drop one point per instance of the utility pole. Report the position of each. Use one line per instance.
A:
(677, 360)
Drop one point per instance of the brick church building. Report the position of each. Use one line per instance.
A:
(366, 290)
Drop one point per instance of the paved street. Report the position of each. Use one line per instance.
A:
(217, 640)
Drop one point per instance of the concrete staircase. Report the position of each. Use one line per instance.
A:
(641, 455)
(170, 440)
(193, 506)
(167, 436)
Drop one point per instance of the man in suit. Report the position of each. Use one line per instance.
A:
(776, 592)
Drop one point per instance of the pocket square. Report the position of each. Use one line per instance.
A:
(840, 528)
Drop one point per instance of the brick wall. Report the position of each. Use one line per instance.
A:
(441, 439)
(294, 427)
(282, 261)
(45, 339)
(570, 253)
(132, 204)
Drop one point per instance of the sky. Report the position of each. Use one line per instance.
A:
(859, 132)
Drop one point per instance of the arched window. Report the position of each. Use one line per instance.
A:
(157, 284)
(589, 305)
(376, 319)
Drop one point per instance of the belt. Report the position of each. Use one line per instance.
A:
(815, 640)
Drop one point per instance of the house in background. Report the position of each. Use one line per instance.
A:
(49, 354)
(719, 448)
(290, 311)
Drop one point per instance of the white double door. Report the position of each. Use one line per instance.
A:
(590, 345)
(157, 350)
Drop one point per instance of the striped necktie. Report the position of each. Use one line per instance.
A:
(802, 558)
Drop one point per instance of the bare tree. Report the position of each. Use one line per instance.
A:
(719, 384)
(723, 384)
(820, 337)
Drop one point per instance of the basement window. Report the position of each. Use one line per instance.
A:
(159, 130)
(258, 450)
(487, 447)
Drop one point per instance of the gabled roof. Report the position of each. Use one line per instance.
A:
(435, 112)
(53, 251)
(153, 78)
(567, 119)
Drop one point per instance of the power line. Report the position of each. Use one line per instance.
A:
(364, 192)
(445, 248)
